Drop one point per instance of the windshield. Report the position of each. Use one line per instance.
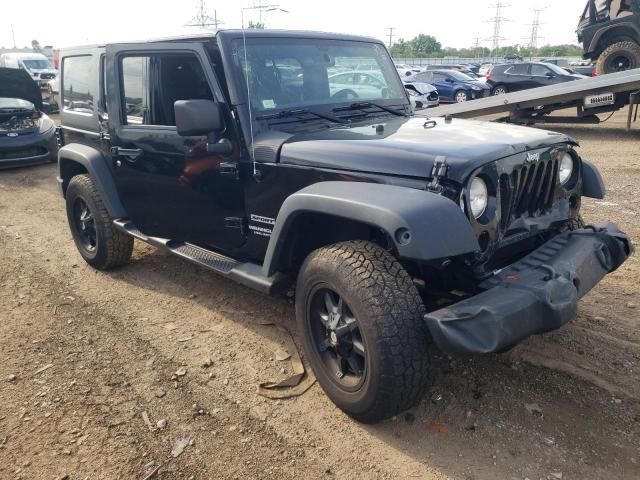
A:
(37, 64)
(287, 73)
(459, 76)
(556, 69)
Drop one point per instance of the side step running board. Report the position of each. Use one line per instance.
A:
(249, 274)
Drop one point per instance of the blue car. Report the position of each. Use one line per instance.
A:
(453, 86)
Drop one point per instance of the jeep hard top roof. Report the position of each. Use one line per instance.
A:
(232, 34)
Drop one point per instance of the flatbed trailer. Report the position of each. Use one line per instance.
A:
(589, 96)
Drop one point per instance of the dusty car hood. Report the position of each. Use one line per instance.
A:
(407, 148)
(16, 83)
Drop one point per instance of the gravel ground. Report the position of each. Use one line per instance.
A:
(102, 375)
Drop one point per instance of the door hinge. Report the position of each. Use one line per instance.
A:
(230, 169)
(235, 222)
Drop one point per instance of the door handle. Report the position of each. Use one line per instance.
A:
(131, 153)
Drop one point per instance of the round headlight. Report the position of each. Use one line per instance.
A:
(478, 197)
(566, 168)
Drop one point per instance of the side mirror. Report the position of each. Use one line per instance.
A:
(202, 117)
(449, 80)
(197, 117)
(549, 75)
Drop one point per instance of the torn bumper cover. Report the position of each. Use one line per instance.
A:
(537, 294)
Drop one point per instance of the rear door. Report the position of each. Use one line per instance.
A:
(170, 186)
(517, 77)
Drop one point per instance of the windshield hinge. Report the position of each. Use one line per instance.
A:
(438, 172)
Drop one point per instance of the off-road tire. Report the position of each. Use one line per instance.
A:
(389, 310)
(628, 48)
(113, 248)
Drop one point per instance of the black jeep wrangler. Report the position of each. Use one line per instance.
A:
(609, 31)
(292, 160)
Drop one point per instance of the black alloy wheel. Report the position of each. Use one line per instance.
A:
(85, 224)
(337, 338)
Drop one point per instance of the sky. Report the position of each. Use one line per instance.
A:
(455, 23)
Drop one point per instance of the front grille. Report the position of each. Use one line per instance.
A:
(529, 190)
(22, 153)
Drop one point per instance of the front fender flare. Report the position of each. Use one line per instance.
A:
(96, 165)
(438, 228)
(592, 183)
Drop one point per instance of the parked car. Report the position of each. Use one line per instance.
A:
(422, 95)
(513, 57)
(35, 64)
(485, 68)
(609, 32)
(560, 62)
(453, 86)
(398, 234)
(406, 70)
(357, 84)
(27, 135)
(455, 67)
(588, 70)
(522, 76)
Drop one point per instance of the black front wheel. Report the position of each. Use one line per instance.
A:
(99, 242)
(360, 318)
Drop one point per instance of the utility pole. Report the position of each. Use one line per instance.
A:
(391, 29)
(202, 20)
(260, 7)
(497, 21)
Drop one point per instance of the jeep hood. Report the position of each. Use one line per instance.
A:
(405, 147)
(16, 83)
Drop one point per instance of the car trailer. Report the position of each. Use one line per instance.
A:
(590, 97)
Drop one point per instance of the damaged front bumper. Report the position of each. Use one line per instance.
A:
(537, 294)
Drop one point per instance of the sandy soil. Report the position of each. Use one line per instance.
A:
(85, 356)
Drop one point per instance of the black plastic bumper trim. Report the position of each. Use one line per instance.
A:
(535, 295)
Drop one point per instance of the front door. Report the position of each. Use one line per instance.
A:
(170, 185)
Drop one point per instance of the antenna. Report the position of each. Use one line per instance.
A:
(391, 29)
(13, 36)
(498, 20)
(246, 76)
(202, 19)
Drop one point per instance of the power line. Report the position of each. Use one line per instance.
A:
(498, 20)
(202, 19)
(391, 29)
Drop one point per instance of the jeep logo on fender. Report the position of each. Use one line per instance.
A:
(533, 157)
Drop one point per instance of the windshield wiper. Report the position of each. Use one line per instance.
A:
(296, 112)
(364, 105)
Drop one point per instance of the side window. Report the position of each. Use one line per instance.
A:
(539, 70)
(103, 85)
(151, 84)
(77, 94)
(520, 69)
(440, 77)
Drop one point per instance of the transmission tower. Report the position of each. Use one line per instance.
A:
(202, 20)
(535, 29)
(476, 46)
(497, 21)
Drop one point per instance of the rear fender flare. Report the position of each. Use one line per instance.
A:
(437, 226)
(96, 166)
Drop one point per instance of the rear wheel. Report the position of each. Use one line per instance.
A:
(360, 318)
(619, 57)
(101, 244)
(461, 96)
(500, 90)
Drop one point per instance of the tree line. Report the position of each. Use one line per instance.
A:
(427, 46)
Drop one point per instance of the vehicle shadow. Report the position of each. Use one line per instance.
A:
(485, 417)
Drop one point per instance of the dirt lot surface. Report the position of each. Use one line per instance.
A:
(101, 374)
